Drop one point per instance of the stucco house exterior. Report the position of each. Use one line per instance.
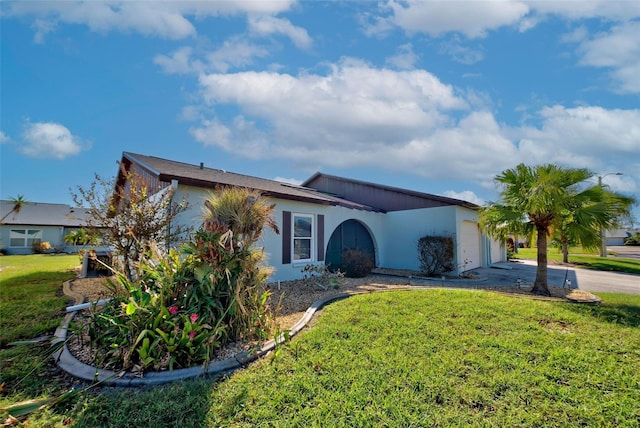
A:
(327, 214)
(38, 222)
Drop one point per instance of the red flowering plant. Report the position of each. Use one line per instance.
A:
(184, 305)
(149, 327)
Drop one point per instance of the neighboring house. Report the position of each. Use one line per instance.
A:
(617, 237)
(38, 222)
(329, 214)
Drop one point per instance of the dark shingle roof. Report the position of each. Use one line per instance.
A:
(43, 214)
(200, 176)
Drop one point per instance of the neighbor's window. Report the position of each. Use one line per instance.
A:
(302, 237)
(24, 237)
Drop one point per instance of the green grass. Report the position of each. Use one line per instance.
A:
(31, 305)
(31, 299)
(407, 358)
(585, 260)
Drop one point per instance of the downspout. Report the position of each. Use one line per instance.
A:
(174, 187)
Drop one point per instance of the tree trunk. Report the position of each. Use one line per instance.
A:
(540, 286)
(565, 251)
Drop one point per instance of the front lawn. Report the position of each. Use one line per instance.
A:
(31, 299)
(403, 358)
(589, 261)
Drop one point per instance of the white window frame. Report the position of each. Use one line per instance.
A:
(311, 239)
(24, 234)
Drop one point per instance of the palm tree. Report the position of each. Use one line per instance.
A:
(586, 213)
(18, 202)
(538, 198)
(244, 212)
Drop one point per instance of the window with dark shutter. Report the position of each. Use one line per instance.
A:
(286, 237)
(320, 238)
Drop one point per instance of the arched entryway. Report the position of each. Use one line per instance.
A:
(350, 234)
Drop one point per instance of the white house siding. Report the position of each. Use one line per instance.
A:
(51, 234)
(272, 243)
(395, 234)
(498, 252)
(403, 229)
(333, 217)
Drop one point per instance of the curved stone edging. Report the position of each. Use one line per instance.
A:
(70, 364)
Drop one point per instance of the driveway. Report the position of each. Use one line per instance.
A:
(507, 273)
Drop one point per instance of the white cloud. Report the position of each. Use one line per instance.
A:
(404, 59)
(461, 53)
(179, 62)
(465, 195)
(615, 10)
(166, 19)
(293, 181)
(617, 50)
(50, 140)
(359, 116)
(588, 136)
(235, 52)
(4, 138)
(353, 104)
(265, 25)
(473, 19)
(396, 120)
(212, 133)
(593, 131)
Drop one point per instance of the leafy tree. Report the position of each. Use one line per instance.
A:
(130, 215)
(18, 202)
(546, 197)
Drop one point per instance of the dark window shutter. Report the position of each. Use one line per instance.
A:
(286, 237)
(320, 238)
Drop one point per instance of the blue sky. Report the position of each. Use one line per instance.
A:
(438, 97)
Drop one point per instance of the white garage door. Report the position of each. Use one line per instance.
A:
(496, 251)
(470, 245)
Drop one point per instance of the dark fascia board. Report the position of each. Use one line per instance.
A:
(451, 201)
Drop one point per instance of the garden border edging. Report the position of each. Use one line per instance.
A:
(70, 364)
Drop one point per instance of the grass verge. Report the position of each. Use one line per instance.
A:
(588, 261)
